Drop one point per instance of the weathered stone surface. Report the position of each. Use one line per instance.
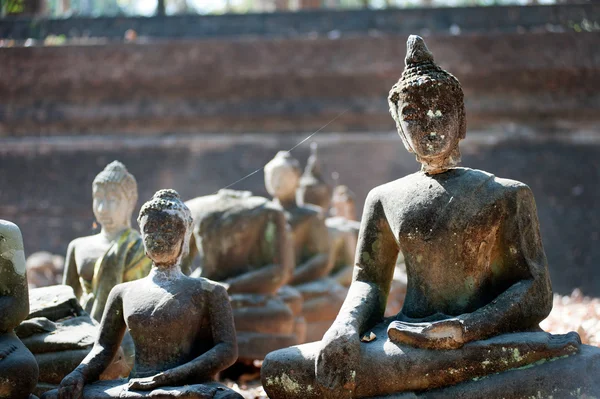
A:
(119, 389)
(564, 377)
(530, 352)
(54, 303)
(189, 318)
(243, 242)
(18, 369)
(476, 268)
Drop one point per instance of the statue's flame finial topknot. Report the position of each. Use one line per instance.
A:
(417, 51)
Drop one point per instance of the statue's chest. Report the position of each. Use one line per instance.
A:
(86, 256)
(166, 313)
(446, 218)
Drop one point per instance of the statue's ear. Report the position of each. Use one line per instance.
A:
(403, 137)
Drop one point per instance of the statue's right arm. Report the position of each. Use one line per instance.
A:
(112, 329)
(71, 276)
(374, 263)
(365, 303)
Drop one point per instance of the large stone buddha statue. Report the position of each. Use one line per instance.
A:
(95, 264)
(323, 296)
(243, 242)
(478, 283)
(18, 368)
(182, 327)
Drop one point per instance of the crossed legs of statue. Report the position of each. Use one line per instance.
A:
(18, 368)
(386, 367)
(118, 389)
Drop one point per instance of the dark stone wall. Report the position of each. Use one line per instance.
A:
(288, 85)
(398, 21)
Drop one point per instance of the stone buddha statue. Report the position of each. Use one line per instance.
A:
(312, 188)
(243, 242)
(95, 264)
(478, 282)
(18, 368)
(322, 295)
(182, 327)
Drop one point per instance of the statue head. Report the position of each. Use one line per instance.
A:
(115, 195)
(344, 202)
(12, 254)
(282, 176)
(427, 104)
(166, 226)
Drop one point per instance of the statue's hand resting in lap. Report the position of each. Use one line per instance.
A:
(338, 356)
(71, 387)
(147, 383)
(445, 334)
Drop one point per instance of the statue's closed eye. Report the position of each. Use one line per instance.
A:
(410, 113)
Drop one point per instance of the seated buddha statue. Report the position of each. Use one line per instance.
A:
(244, 243)
(95, 264)
(312, 188)
(323, 296)
(182, 327)
(18, 368)
(478, 282)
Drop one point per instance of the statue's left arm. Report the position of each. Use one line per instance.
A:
(529, 301)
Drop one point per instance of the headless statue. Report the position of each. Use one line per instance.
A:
(95, 264)
(244, 243)
(322, 295)
(182, 327)
(18, 368)
(478, 282)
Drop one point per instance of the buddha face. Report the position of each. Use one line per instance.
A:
(112, 208)
(282, 181)
(163, 234)
(430, 122)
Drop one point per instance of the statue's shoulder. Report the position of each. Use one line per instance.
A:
(207, 286)
(397, 188)
(82, 241)
(500, 184)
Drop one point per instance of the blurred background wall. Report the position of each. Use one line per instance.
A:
(196, 102)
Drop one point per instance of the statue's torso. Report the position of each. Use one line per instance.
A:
(169, 323)
(87, 251)
(457, 233)
(237, 234)
(307, 229)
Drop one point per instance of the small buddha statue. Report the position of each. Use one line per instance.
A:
(18, 368)
(478, 282)
(182, 327)
(322, 295)
(312, 188)
(243, 242)
(95, 264)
